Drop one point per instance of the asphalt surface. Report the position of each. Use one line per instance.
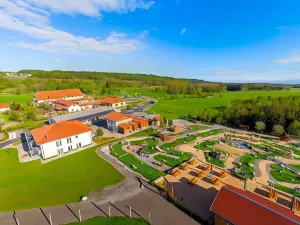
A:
(8, 142)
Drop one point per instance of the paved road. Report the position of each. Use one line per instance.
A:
(8, 142)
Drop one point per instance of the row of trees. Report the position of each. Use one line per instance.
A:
(278, 115)
(257, 87)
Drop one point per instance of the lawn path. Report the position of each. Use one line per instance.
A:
(262, 172)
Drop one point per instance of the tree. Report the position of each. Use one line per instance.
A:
(260, 126)
(162, 123)
(31, 116)
(99, 132)
(170, 122)
(294, 128)
(278, 129)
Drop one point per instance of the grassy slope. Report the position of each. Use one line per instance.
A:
(112, 221)
(284, 175)
(130, 160)
(32, 184)
(184, 106)
(147, 132)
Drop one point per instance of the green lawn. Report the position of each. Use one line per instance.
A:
(112, 221)
(183, 106)
(207, 145)
(196, 127)
(172, 162)
(29, 125)
(287, 190)
(135, 164)
(297, 167)
(62, 181)
(26, 98)
(136, 103)
(214, 161)
(284, 175)
(146, 133)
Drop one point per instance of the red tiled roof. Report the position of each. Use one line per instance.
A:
(60, 107)
(126, 126)
(246, 208)
(4, 106)
(116, 116)
(58, 131)
(83, 99)
(46, 95)
(66, 103)
(110, 100)
(137, 119)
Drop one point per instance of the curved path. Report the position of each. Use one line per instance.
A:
(188, 148)
(262, 172)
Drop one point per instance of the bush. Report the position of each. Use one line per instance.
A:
(31, 116)
(99, 132)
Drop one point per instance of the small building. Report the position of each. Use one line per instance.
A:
(51, 96)
(176, 128)
(118, 122)
(153, 119)
(4, 107)
(236, 206)
(111, 101)
(59, 138)
(66, 105)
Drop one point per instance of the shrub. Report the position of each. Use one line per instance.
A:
(99, 132)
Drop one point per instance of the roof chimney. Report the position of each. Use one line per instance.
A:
(46, 136)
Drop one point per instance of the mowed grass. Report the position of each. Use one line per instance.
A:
(20, 99)
(112, 221)
(183, 106)
(135, 164)
(62, 181)
(284, 175)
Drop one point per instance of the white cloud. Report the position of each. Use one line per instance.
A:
(91, 7)
(144, 34)
(182, 32)
(292, 59)
(18, 15)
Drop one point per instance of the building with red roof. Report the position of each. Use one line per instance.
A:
(66, 105)
(4, 107)
(242, 207)
(118, 122)
(50, 96)
(59, 138)
(111, 101)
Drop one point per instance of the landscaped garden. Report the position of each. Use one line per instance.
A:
(134, 163)
(112, 221)
(196, 127)
(149, 145)
(62, 181)
(284, 175)
(287, 190)
(246, 164)
(207, 145)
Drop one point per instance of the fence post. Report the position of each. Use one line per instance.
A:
(149, 218)
(79, 213)
(50, 218)
(130, 212)
(17, 220)
(109, 211)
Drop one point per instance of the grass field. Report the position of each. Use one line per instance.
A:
(196, 127)
(207, 145)
(112, 221)
(214, 161)
(62, 181)
(149, 148)
(135, 164)
(183, 106)
(26, 98)
(287, 190)
(284, 175)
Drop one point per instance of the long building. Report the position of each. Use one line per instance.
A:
(118, 122)
(50, 96)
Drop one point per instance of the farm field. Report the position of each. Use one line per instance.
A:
(112, 221)
(34, 185)
(183, 106)
(20, 99)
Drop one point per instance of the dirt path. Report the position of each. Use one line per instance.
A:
(293, 186)
(191, 149)
(289, 161)
(231, 150)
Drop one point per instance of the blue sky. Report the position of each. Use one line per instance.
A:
(215, 40)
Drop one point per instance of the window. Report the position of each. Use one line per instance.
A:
(58, 143)
(69, 148)
(76, 136)
(69, 140)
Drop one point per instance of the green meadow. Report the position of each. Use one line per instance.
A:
(20, 99)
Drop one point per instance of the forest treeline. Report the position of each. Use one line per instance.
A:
(104, 83)
(272, 115)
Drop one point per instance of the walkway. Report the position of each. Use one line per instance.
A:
(261, 171)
